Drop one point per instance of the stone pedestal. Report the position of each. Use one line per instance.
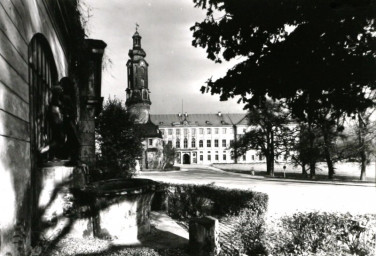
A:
(126, 220)
(204, 236)
(55, 202)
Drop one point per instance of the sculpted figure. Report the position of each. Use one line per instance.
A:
(56, 121)
(64, 142)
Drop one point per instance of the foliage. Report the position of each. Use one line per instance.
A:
(248, 236)
(270, 131)
(94, 246)
(297, 50)
(318, 56)
(324, 234)
(119, 143)
(186, 201)
(359, 144)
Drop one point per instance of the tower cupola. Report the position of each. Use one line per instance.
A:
(138, 99)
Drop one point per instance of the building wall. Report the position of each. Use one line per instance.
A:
(20, 20)
(218, 151)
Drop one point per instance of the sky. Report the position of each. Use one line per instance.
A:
(177, 70)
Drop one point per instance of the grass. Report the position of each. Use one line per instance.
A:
(345, 172)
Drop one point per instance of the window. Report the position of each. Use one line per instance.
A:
(150, 142)
(162, 131)
(244, 158)
(216, 158)
(216, 130)
(224, 156)
(232, 155)
(208, 143)
(193, 132)
(177, 131)
(42, 76)
(201, 143)
(178, 144)
(185, 143)
(193, 143)
(260, 157)
(169, 131)
(216, 143)
(231, 143)
(178, 158)
(185, 132)
(224, 130)
(144, 92)
(253, 157)
(208, 131)
(201, 131)
(209, 157)
(224, 143)
(169, 142)
(201, 158)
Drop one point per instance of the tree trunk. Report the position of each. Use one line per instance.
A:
(304, 170)
(267, 164)
(362, 153)
(328, 156)
(267, 154)
(312, 161)
(271, 154)
(363, 165)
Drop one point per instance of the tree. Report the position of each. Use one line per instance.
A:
(359, 144)
(169, 155)
(119, 143)
(316, 55)
(270, 132)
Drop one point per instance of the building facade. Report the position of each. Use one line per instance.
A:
(42, 47)
(205, 138)
(138, 106)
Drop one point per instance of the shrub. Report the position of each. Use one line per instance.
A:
(186, 201)
(323, 234)
(119, 143)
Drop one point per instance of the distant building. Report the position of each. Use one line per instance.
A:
(138, 105)
(205, 138)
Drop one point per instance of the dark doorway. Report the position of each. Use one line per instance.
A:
(186, 159)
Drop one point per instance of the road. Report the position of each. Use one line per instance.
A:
(285, 197)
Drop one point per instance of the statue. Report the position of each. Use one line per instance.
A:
(63, 145)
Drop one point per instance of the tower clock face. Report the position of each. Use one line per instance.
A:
(140, 115)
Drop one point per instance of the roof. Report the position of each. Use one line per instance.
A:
(199, 119)
(148, 130)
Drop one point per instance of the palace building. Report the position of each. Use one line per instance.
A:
(204, 138)
(197, 138)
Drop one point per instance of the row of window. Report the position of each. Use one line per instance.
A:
(200, 143)
(186, 131)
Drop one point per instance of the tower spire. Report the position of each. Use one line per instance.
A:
(138, 99)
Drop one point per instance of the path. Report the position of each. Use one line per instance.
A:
(284, 197)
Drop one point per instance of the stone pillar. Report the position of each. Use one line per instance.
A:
(204, 236)
(91, 100)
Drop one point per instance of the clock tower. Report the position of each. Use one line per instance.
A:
(138, 99)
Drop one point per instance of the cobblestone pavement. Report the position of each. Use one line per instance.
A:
(285, 197)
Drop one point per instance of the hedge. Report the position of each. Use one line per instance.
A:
(186, 201)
